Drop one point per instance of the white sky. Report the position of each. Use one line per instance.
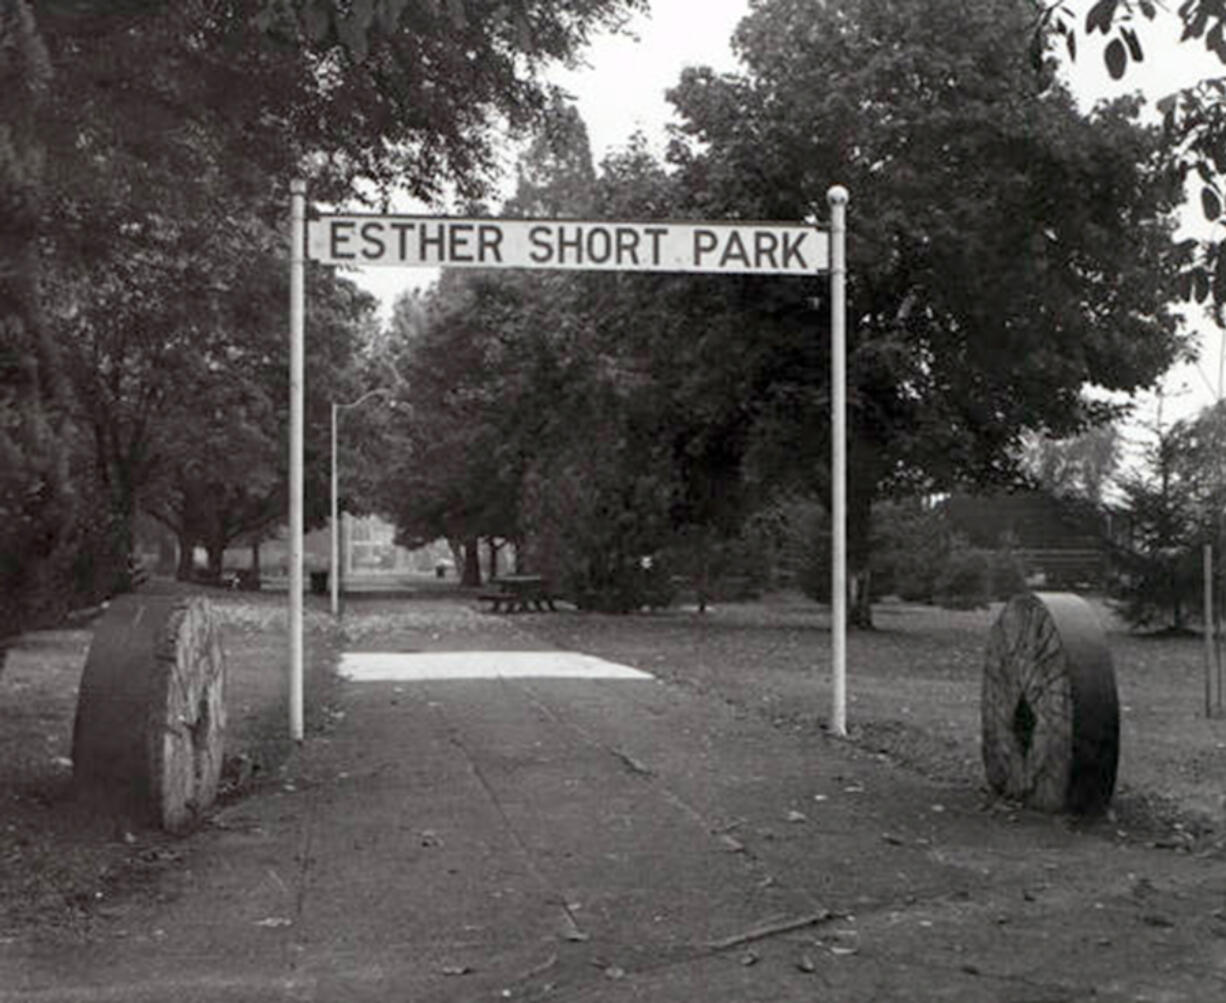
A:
(622, 89)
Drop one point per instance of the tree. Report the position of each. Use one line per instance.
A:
(1203, 463)
(443, 480)
(1117, 21)
(555, 176)
(1193, 118)
(49, 555)
(391, 92)
(1159, 563)
(1006, 250)
(486, 361)
(222, 442)
(167, 136)
(1081, 467)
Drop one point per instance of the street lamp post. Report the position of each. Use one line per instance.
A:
(334, 571)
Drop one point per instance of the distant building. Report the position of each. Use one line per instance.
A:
(1062, 543)
(367, 547)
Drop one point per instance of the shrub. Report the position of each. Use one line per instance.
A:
(965, 579)
(911, 544)
(972, 577)
(1159, 589)
(1007, 574)
(723, 569)
(626, 589)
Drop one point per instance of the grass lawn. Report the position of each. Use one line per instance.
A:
(913, 696)
(913, 689)
(58, 866)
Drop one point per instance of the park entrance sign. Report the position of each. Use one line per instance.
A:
(434, 242)
(733, 248)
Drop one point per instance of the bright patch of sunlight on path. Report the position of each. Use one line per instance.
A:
(379, 666)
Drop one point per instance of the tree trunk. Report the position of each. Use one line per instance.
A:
(457, 554)
(187, 547)
(702, 583)
(492, 549)
(860, 603)
(861, 487)
(217, 555)
(167, 558)
(472, 563)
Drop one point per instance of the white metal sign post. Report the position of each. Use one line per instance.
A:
(658, 246)
(837, 197)
(297, 369)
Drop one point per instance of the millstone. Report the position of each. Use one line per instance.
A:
(150, 725)
(1049, 707)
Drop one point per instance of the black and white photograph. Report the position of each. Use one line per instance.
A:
(612, 500)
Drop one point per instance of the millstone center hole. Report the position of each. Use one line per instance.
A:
(1024, 721)
(200, 727)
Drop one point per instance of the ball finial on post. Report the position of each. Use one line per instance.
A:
(837, 195)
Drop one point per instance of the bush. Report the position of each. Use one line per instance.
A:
(965, 580)
(911, 544)
(1161, 589)
(1008, 575)
(631, 587)
(972, 577)
(721, 569)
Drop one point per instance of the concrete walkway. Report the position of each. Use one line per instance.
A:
(602, 836)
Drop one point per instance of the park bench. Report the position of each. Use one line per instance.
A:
(519, 592)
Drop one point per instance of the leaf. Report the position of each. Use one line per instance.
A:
(1071, 41)
(1134, 45)
(1116, 58)
(732, 845)
(1219, 279)
(1215, 41)
(1100, 16)
(363, 13)
(1200, 285)
(1210, 204)
(353, 36)
(317, 20)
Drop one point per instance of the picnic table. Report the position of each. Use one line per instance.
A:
(519, 592)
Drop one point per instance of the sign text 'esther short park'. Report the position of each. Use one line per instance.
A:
(432, 241)
(736, 247)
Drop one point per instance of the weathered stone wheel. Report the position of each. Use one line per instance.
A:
(150, 727)
(1049, 707)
